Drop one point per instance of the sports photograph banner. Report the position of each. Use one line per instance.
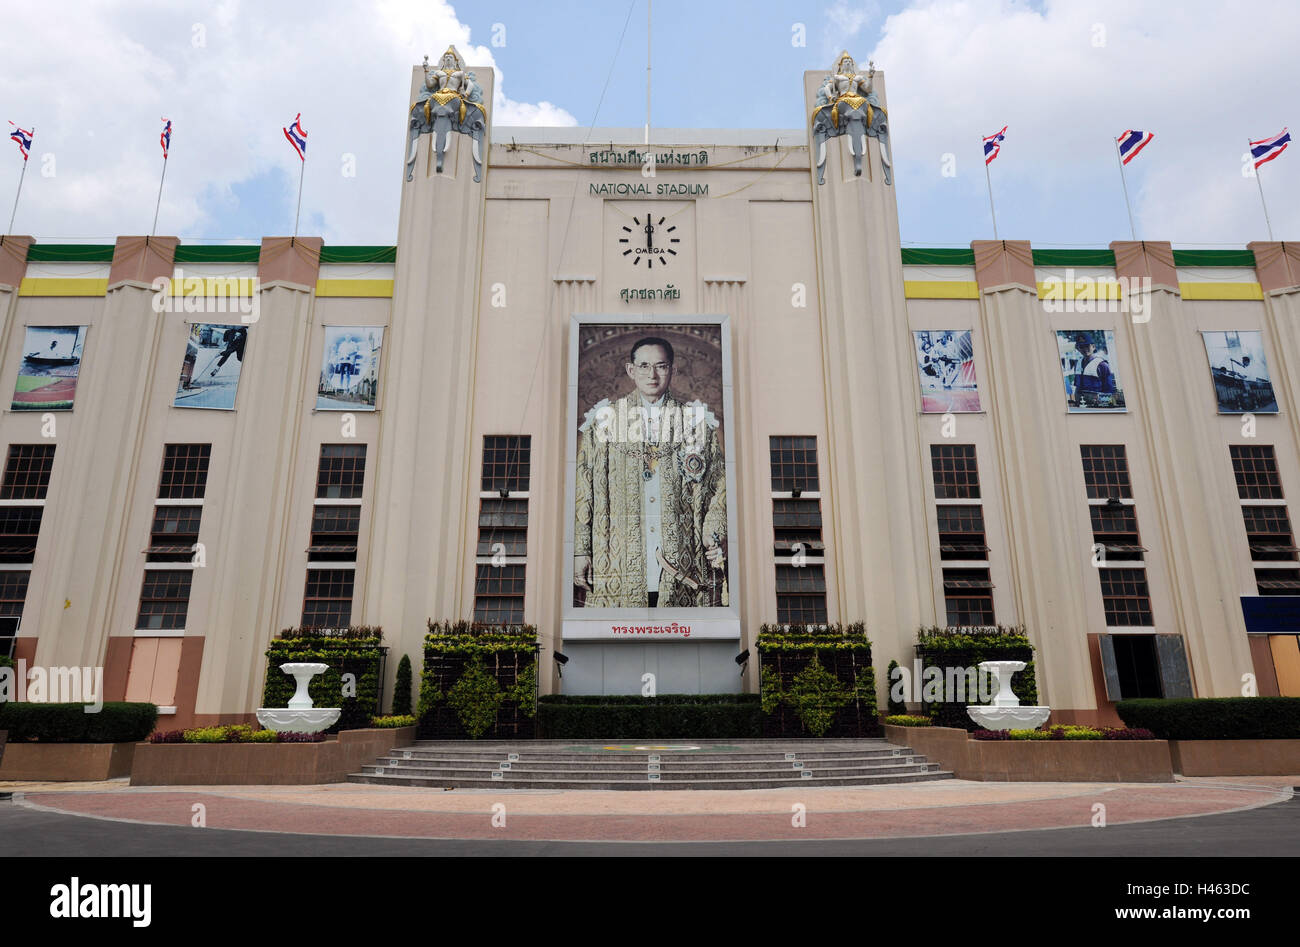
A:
(1088, 367)
(945, 361)
(214, 357)
(650, 526)
(349, 373)
(1240, 372)
(47, 375)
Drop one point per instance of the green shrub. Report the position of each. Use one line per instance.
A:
(261, 736)
(402, 688)
(963, 647)
(478, 680)
(817, 681)
(664, 717)
(384, 723)
(894, 707)
(69, 723)
(207, 735)
(909, 720)
(1215, 718)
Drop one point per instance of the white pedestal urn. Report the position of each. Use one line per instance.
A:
(1006, 713)
(300, 716)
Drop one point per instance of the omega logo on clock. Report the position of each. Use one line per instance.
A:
(651, 241)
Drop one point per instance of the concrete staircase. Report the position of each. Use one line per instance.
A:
(668, 764)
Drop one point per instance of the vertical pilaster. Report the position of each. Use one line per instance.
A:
(1025, 403)
(1197, 530)
(877, 539)
(424, 500)
(1278, 267)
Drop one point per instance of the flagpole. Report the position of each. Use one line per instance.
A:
(992, 212)
(153, 230)
(21, 176)
(1267, 222)
(1124, 183)
(299, 213)
(649, 9)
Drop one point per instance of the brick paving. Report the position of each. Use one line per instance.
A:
(951, 807)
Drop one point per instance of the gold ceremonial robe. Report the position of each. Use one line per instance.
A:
(616, 444)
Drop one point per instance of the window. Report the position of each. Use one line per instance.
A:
(1278, 581)
(1114, 527)
(1105, 471)
(1255, 468)
(956, 475)
(341, 471)
(794, 464)
(334, 533)
(506, 462)
(797, 522)
(1268, 529)
(1145, 666)
(505, 522)
(1125, 597)
(184, 471)
(174, 534)
(27, 472)
(801, 594)
(499, 574)
(499, 594)
(19, 528)
(13, 593)
(961, 532)
(328, 599)
(164, 600)
(968, 595)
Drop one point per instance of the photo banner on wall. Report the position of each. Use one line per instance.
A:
(214, 356)
(1240, 372)
(650, 416)
(945, 361)
(1088, 367)
(47, 375)
(349, 374)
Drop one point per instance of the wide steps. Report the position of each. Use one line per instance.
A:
(734, 765)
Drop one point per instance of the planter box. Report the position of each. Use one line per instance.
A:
(1236, 757)
(1064, 761)
(263, 764)
(66, 762)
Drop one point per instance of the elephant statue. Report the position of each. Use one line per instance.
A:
(439, 119)
(859, 119)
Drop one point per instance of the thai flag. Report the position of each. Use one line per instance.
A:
(165, 139)
(297, 137)
(993, 144)
(1266, 149)
(24, 139)
(1131, 142)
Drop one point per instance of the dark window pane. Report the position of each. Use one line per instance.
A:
(341, 472)
(1105, 471)
(27, 472)
(327, 602)
(1255, 468)
(174, 533)
(956, 474)
(184, 471)
(794, 464)
(499, 594)
(506, 462)
(164, 599)
(1126, 598)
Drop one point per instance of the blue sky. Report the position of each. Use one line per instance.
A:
(1065, 76)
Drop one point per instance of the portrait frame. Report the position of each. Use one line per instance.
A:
(215, 395)
(1235, 392)
(1074, 370)
(48, 375)
(594, 623)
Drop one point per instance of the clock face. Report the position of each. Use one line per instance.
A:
(649, 239)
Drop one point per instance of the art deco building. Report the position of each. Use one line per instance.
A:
(1143, 534)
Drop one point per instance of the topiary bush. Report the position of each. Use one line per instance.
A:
(69, 723)
(393, 722)
(1215, 718)
(945, 648)
(478, 681)
(817, 681)
(895, 708)
(357, 650)
(908, 720)
(402, 688)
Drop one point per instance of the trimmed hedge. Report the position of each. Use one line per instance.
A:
(479, 680)
(663, 717)
(402, 688)
(69, 723)
(356, 650)
(1215, 718)
(817, 680)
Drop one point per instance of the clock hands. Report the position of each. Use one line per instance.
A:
(650, 252)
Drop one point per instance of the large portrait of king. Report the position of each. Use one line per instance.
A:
(650, 518)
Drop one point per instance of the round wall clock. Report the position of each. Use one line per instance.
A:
(650, 240)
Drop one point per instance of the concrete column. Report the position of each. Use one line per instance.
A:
(1039, 469)
(1197, 531)
(87, 576)
(424, 497)
(13, 267)
(1278, 267)
(874, 507)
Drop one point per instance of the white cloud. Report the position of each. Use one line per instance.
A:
(95, 78)
(1067, 78)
